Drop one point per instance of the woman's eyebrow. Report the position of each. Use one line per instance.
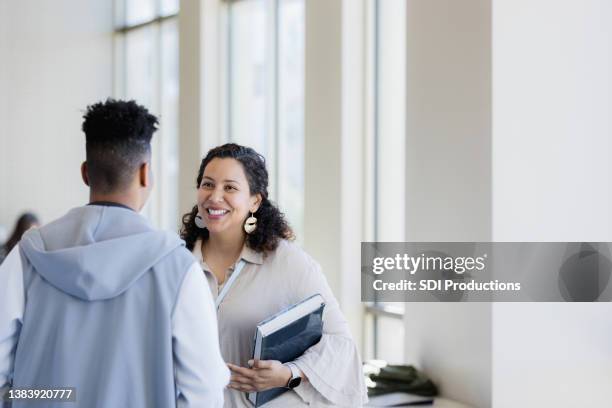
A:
(225, 181)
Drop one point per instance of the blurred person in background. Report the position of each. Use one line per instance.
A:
(24, 222)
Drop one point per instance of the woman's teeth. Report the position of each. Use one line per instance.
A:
(216, 212)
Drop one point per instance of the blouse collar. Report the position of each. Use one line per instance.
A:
(248, 254)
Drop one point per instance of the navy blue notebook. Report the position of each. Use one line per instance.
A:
(286, 336)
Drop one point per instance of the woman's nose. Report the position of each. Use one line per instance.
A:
(216, 196)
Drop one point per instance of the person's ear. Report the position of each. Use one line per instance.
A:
(144, 174)
(84, 174)
(256, 202)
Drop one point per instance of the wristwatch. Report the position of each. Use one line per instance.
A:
(295, 379)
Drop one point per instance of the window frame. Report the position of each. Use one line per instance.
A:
(273, 111)
(156, 206)
(372, 224)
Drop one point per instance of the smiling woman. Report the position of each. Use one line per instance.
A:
(234, 223)
(224, 198)
(234, 178)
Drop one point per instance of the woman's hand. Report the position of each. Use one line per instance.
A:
(263, 375)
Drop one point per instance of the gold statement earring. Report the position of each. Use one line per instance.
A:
(250, 224)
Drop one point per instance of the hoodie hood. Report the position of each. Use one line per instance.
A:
(96, 252)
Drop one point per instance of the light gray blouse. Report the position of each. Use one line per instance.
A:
(266, 285)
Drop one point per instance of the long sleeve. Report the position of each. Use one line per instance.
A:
(12, 304)
(200, 372)
(333, 365)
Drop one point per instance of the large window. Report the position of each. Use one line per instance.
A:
(146, 70)
(264, 92)
(386, 92)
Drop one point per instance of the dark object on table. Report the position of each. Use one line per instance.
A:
(384, 379)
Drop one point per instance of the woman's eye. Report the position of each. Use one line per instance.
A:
(206, 185)
(229, 188)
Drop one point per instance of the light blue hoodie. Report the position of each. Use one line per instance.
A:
(101, 285)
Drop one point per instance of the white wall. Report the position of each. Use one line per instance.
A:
(4, 229)
(552, 181)
(448, 160)
(549, 179)
(56, 58)
(552, 122)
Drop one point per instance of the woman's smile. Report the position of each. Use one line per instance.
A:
(216, 213)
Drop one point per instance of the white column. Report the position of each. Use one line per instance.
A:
(200, 90)
(322, 134)
(333, 133)
(191, 103)
(353, 129)
(448, 189)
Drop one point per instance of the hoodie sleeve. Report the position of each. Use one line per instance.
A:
(12, 304)
(200, 372)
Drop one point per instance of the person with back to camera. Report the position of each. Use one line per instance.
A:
(24, 222)
(234, 221)
(100, 301)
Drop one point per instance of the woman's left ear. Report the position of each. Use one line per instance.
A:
(255, 205)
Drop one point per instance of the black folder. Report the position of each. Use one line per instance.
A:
(286, 336)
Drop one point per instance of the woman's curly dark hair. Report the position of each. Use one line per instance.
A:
(271, 223)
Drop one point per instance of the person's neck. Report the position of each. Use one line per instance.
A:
(129, 200)
(228, 246)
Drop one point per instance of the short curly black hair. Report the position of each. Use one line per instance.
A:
(117, 141)
(271, 223)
